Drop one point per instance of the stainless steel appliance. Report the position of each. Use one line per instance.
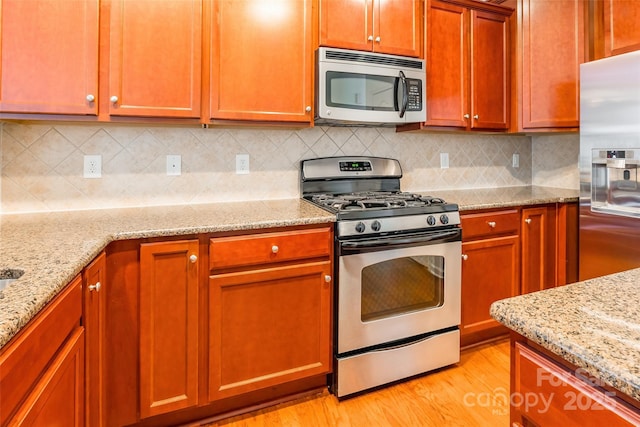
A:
(355, 87)
(398, 272)
(609, 156)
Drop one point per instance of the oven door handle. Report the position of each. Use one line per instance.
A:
(370, 245)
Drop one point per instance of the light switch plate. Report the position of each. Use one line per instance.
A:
(242, 164)
(444, 160)
(515, 162)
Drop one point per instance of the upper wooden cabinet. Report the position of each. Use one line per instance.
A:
(549, 48)
(615, 27)
(155, 58)
(49, 56)
(384, 26)
(467, 67)
(262, 60)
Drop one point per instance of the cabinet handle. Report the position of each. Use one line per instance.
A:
(95, 287)
(113, 99)
(492, 224)
(378, 39)
(466, 116)
(275, 249)
(327, 278)
(465, 257)
(308, 109)
(528, 220)
(476, 117)
(370, 38)
(91, 98)
(193, 258)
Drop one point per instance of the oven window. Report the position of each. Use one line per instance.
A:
(402, 285)
(361, 91)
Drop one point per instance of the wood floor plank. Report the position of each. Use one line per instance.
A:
(474, 392)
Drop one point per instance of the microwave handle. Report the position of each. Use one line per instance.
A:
(405, 94)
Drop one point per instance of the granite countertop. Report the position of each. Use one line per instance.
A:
(52, 248)
(504, 197)
(594, 325)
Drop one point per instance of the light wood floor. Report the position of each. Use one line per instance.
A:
(472, 393)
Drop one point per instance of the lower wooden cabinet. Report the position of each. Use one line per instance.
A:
(94, 320)
(268, 326)
(546, 393)
(42, 368)
(203, 325)
(508, 252)
(539, 248)
(58, 398)
(168, 326)
(490, 269)
(269, 323)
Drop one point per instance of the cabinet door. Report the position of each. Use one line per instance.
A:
(58, 398)
(539, 263)
(489, 71)
(397, 27)
(155, 58)
(346, 24)
(490, 272)
(621, 28)
(94, 282)
(49, 56)
(447, 65)
(549, 53)
(268, 327)
(262, 60)
(168, 326)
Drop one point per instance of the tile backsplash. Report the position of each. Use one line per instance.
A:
(42, 164)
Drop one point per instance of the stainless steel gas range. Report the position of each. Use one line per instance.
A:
(398, 262)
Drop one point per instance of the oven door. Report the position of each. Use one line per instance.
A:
(394, 288)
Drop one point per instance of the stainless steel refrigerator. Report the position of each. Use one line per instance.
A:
(609, 238)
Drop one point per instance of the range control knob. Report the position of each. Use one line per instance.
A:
(375, 226)
(360, 227)
(444, 219)
(431, 220)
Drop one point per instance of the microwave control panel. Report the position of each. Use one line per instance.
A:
(414, 87)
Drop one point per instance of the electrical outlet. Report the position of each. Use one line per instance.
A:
(515, 162)
(174, 164)
(93, 166)
(242, 164)
(444, 160)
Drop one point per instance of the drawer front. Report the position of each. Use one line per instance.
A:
(264, 248)
(551, 395)
(488, 224)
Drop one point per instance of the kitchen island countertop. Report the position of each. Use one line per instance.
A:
(594, 325)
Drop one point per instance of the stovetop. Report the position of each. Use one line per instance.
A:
(364, 194)
(374, 200)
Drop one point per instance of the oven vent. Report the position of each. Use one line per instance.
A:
(351, 56)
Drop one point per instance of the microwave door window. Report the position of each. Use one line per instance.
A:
(361, 91)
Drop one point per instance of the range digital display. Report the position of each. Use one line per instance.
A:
(355, 166)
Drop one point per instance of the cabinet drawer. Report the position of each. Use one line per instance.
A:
(265, 248)
(490, 224)
(561, 398)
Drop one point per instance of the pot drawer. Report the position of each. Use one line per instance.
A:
(264, 248)
(490, 224)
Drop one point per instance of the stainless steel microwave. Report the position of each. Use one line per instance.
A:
(354, 87)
